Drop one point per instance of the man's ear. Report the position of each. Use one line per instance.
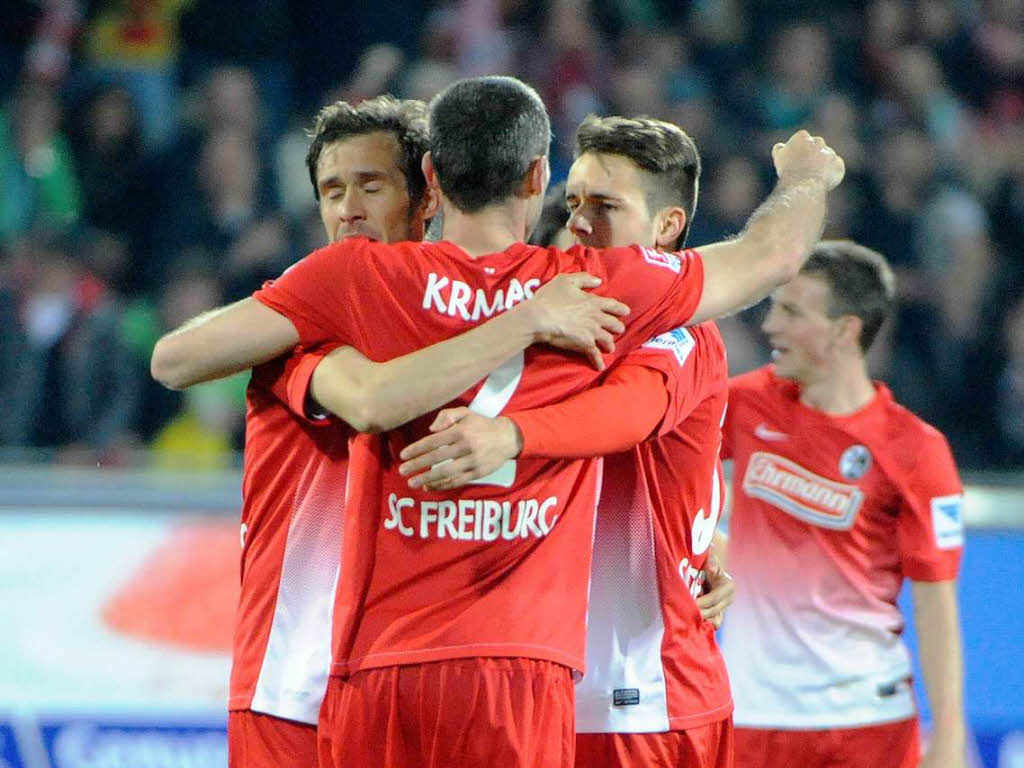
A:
(849, 330)
(431, 202)
(536, 180)
(427, 164)
(671, 223)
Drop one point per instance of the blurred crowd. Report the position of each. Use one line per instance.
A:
(151, 167)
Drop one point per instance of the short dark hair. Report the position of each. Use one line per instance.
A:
(484, 133)
(662, 149)
(860, 283)
(405, 118)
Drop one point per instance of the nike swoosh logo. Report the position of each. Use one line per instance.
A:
(771, 435)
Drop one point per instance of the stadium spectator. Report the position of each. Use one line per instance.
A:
(73, 383)
(37, 172)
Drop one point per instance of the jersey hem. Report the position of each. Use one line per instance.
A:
(685, 722)
(348, 667)
(273, 715)
(294, 711)
(858, 720)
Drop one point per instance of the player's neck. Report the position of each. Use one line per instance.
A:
(490, 230)
(841, 389)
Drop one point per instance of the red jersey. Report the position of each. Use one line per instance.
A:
(293, 487)
(830, 514)
(653, 663)
(501, 568)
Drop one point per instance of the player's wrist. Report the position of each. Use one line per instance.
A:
(513, 437)
(536, 319)
(800, 180)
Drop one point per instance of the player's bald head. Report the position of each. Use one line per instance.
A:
(484, 133)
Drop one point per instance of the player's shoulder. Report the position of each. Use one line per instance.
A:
(710, 346)
(637, 255)
(708, 334)
(349, 249)
(579, 256)
(759, 382)
(756, 395)
(397, 258)
(906, 433)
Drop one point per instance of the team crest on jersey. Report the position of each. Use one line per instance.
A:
(662, 259)
(679, 341)
(948, 521)
(855, 462)
(809, 497)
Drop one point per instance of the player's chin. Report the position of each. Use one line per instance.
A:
(782, 365)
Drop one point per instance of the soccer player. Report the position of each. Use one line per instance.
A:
(364, 164)
(656, 690)
(839, 494)
(458, 621)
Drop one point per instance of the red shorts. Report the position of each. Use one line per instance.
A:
(484, 712)
(706, 746)
(264, 741)
(893, 745)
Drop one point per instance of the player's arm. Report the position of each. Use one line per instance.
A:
(652, 390)
(778, 236)
(221, 342)
(937, 621)
(373, 396)
(930, 538)
(611, 417)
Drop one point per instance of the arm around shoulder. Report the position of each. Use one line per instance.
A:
(778, 236)
(221, 342)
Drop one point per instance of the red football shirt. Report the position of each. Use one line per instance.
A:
(500, 568)
(830, 514)
(652, 662)
(293, 490)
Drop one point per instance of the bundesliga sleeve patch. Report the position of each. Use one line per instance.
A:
(948, 521)
(662, 259)
(679, 341)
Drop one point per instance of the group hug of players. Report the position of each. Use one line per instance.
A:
(533, 575)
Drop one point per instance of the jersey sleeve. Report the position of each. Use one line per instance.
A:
(662, 289)
(609, 418)
(693, 365)
(930, 528)
(290, 383)
(318, 294)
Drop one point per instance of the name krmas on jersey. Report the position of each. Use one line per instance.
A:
(471, 519)
(454, 297)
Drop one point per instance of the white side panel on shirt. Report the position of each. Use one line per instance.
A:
(623, 690)
(296, 665)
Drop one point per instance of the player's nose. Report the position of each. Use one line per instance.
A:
(351, 208)
(579, 225)
(770, 324)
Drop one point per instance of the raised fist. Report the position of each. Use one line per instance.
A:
(807, 158)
